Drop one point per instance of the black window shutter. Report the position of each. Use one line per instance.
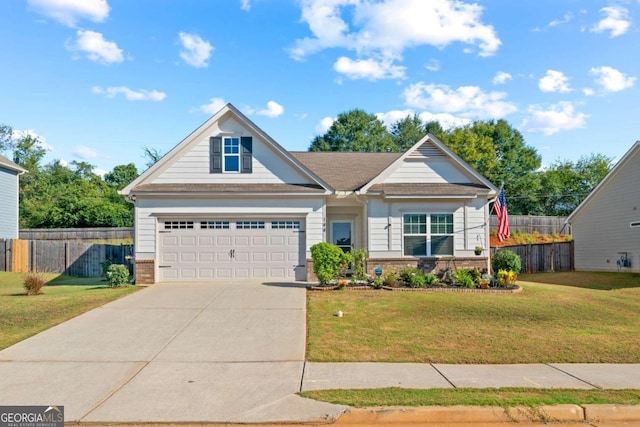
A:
(247, 148)
(215, 154)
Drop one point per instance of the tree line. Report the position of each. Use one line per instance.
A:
(57, 195)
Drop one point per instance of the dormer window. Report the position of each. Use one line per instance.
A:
(231, 154)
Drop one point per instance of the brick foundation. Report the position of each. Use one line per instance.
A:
(428, 265)
(145, 272)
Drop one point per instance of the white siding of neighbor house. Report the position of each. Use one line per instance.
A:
(149, 209)
(385, 224)
(602, 228)
(8, 204)
(427, 172)
(269, 167)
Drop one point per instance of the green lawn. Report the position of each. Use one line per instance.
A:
(564, 318)
(504, 397)
(64, 297)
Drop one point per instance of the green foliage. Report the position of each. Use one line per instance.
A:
(506, 278)
(429, 279)
(152, 155)
(33, 282)
(389, 278)
(328, 261)
(506, 259)
(355, 131)
(117, 275)
(464, 278)
(476, 274)
(378, 282)
(417, 280)
(406, 273)
(121, 176)
(6, 141)
(359, 267)
(406, 132)
(104, 265)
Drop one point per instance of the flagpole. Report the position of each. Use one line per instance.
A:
(496, 198)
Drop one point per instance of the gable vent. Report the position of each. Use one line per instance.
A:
(426, 150)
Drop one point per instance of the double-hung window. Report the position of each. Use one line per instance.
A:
(231, 154)
(427, 234)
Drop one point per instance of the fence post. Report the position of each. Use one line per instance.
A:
(66, 257)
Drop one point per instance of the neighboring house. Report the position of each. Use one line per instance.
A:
(228, 202)
(9, 173)
(606, 225)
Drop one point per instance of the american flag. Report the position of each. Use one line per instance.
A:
(500, 207)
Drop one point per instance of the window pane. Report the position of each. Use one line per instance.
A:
(231, 145)
(442, 245)
(442, 224)
(231, 163)
(415, 245)
(415, 224)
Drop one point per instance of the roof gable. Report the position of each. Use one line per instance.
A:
(188, 162)
(8, 164)
(625, 161)
(429, 162)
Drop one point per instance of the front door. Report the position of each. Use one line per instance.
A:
(342, 234)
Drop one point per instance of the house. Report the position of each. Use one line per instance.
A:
(228, 202)
(9, 173)
(606, 225)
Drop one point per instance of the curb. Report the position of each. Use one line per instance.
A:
(488, 414)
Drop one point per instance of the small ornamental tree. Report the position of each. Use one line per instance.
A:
(328, 260)
(506, 259)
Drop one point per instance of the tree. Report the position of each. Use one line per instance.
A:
(406, 132)
(355, 131)
(6, 141)
(152, 155)
(121, 176)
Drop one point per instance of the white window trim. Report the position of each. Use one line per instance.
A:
(428, 234)
(238, 155)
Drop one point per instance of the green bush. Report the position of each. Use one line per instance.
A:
(389, 278)
(406, 273)
(464, 278)
(417, 280)
(104, 265)
(429, 279)
(506, 259)
(359, 266)
(328, 261)
(117, 275)
(33, 282)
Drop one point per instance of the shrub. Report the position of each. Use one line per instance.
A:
(464, 278)
(359, 257)
(104, 265)
(389, 278)
(506, 260)
(417, 280)
(406, 273)
(429, 279)
(33, 282)
(378, 282)
(117, 275)
(506, 278)
(328, 261)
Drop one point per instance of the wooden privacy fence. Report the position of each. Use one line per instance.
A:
(103, 234)
(544, 257)
(532, 224)
(51, 256)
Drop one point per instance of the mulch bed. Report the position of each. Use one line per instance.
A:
(509, 290)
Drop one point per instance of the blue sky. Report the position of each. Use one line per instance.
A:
(97, 80)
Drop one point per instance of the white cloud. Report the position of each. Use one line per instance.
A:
(214, 105)
(501, 77)
(554, 81)
(130, 94)
(69, 12)
(617, 21)
(196, 52)
(611, 80)
(63, 163)
(555, 118)
(384, 29)
(323, 126)
(566, 18)
(370, 69)
(273, 110)
(432, 65)
(588, 91)
(447, 121)
(466, 101)
(85, 153)
(245, 5)
(17, 135)
(97, 49)
(100, 172)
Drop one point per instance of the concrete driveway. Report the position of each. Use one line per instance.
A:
(172, 353)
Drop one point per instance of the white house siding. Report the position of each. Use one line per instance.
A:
(269, 167)
(601, 228)
(427, 172)
(149, 209)
(8, 204)
(385, 224)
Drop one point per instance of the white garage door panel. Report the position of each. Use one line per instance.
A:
(248, 249)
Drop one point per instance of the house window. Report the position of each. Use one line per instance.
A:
(249, 225)
(427, 234)
(231, 155)
(215, 225)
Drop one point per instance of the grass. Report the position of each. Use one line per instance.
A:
(504, 397)
(64, 297)
(562, 318)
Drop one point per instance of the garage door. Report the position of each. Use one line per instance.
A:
(231, 249)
